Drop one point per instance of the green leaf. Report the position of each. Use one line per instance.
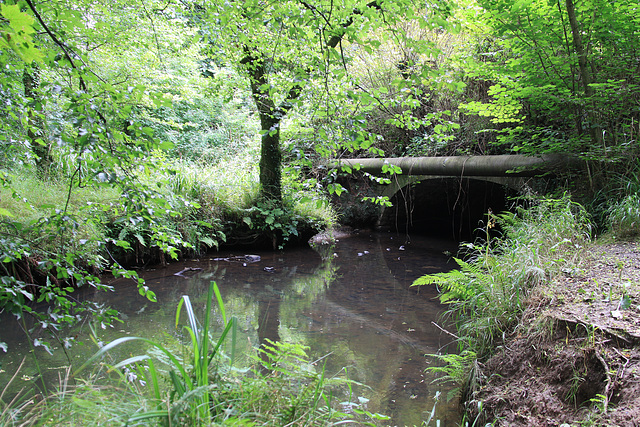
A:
(83, 403)
(18, 36)
(123, 244)
(147, 416)
(151, 296)
(336, 189)
(140, 239)
(18, 20)
(166, 145)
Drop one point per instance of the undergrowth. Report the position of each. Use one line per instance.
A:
(194, 207)
(487, 294)
(624, 217)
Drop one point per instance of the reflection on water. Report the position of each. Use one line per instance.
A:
(355, 307)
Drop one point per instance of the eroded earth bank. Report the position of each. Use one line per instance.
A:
(575, 358)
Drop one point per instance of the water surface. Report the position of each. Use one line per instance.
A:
(354, 309)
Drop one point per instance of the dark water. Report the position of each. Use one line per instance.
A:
(354, 310)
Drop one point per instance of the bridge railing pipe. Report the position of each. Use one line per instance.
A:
(491, 165)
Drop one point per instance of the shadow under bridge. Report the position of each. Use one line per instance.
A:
(450, 196)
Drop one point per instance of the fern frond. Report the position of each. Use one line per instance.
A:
(432, 279)
(458, 285)
(456, 370)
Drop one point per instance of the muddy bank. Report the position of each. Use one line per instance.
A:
(575, 358)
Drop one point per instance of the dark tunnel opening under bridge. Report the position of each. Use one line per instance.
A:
(447, 207)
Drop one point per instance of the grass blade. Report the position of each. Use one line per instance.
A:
(191, 315)
(230, 325)
(147, 416)
(176, 364)
(220, 302)
(130, 361)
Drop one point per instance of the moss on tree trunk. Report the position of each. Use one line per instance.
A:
(270, 162)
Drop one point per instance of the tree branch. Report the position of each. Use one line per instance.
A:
(258, 80)
(337, 38)
(55, 39)
(315, 10)
(294, 93)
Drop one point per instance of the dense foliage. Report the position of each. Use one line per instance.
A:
(560, 78)
(135, 133)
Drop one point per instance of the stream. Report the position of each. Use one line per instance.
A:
(354, 310)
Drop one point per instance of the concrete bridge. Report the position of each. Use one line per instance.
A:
(451, 195)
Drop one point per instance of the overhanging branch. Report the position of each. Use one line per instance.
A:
(55, 39)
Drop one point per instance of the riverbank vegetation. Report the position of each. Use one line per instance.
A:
(544, 315)
(132, 135)
(487, 294)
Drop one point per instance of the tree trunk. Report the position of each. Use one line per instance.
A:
(35, 123)
(272, 115)
(270, 118)
(270, 160)
(585, 72)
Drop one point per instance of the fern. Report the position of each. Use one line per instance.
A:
(460, 285)
(208, 241)
(457, 370)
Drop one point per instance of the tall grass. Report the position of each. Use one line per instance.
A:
(33, 210)
(226, 186)
(31, 194)
(228, 192)
(191, 381)
(232, 186)
(615, 207)
(488, 293)
(84, 403)
(30, 198)
(624, 217)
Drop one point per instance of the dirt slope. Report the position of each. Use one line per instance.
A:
(575, 359)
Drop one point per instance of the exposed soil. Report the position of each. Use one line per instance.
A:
(575, 359)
